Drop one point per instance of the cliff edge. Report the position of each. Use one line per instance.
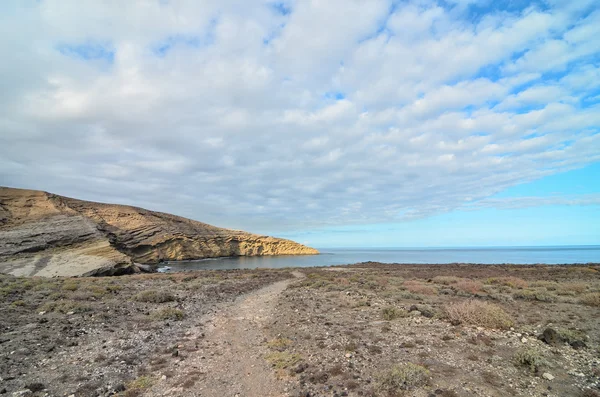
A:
(43, 234)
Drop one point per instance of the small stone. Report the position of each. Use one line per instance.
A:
(164, 377)
(551, 337)
(578, 344)
(22, 393)
(547, 376)
(35, 387)
(70, 313)
(41, 313)
(119, 388)
(524, 340)
(348, 355)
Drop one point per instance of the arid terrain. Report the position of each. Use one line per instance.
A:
(361, 330)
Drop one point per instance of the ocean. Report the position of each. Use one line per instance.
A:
(343, 256)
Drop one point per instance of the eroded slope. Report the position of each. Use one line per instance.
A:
(50, 235)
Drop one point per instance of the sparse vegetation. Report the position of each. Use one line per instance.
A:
(446, 280)
(417, 287)
(592, 299)
(327, 335)
(512, 282)
(475, 312)
(65, 306)
(529, 358)
(390, 313)
(283, 360)
(402, 377)
(154, 296)
(279, 344)
(168, 313)
(136, 387)
(468, 286)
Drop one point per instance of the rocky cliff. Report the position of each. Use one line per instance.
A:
(49, 235)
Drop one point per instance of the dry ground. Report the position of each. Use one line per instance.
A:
(361, 330)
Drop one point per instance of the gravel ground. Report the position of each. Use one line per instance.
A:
(361, 330)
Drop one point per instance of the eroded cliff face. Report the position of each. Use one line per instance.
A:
(48, 235)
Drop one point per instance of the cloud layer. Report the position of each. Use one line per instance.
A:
(296, 114)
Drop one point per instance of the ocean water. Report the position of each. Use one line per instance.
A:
(343, 256)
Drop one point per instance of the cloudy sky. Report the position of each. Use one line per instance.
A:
(333, 122)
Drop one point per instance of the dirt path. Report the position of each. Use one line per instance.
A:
(229, 352)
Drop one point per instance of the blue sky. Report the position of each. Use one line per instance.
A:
(404, 123)
(532, 224)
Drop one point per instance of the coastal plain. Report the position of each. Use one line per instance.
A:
(367, 329)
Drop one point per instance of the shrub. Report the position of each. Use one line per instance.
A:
(513, 282)
(417, 287)
(592, 299)
(138, 386)
(531, 295)
(279, 344)
(283, 360)
(402, 377)
(571, 336)
(530, 358)
(168, 313)
(478, 313)
(65, 306)
(549, 285)
(154, 296)
(470, 286)
(576, 288)
(446, 280)
(69, 286)
(390, 313)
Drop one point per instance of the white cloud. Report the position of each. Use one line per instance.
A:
(337, 112)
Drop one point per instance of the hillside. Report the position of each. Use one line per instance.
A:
(48, 235)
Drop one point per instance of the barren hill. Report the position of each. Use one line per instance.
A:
(47, 235)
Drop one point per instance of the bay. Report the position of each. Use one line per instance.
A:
(342, 256)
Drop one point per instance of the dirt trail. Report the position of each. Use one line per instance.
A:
(229, 360)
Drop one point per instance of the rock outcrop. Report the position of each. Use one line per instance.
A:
(48, 235)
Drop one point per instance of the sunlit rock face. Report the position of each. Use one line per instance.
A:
(48, 235)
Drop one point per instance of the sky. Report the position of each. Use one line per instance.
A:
(334, 123)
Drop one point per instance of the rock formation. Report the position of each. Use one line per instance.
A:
(48, 235)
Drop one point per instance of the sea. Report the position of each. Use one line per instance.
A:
(344, 256)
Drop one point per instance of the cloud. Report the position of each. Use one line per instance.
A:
(535, 201)
(295, 114)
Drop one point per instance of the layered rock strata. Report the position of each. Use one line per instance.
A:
(44, 234)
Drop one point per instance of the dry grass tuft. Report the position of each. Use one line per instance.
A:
(402, 377)
(390, 313)
(446, 280)
(513, 282)
(138, 386)
(416, 287)
(168, 313)
(592, 299)
(154, 296)
(478, 313)
(280, 344)
(469, 286)
(529, 358)
(283, 360)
